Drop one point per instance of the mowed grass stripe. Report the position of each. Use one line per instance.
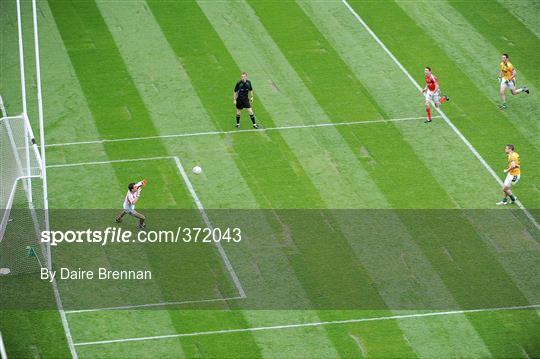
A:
(525, 11)
(115, 104)
(66, 111)
(10, 85)
(329, 162)
(64, 189)
(523, 243)
(370, 55)
(468, 265)
(477, 244)
(437, 147)
(214, 88)
(457, 43)
(407, 278)
(248, 44)
(376, 256)
(121, 173)
(150, 28)
(162, 176)
(340, 94)
(509, 35)
(144, 38)
(488, 136)
(479, 60)
(199, 22)
(67, 115)
(61, 106)
(174, 106)
(107, 86)
(308, 286)
(113, 101)
(162, 349)
(177, 29)
(310, 31)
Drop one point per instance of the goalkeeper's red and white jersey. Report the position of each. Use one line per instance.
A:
(132, 197)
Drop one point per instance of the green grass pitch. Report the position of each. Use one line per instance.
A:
(369, 233)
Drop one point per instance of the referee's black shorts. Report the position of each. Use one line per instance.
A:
(242, 103)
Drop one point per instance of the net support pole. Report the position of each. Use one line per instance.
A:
(28, 182)
(21, 56)
(41, 132)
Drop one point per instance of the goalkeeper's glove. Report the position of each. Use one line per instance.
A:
(144, 182)
(251, 99)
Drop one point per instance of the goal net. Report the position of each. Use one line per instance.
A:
(21, 197)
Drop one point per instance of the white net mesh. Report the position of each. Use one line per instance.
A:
(18, 159)
(21, 196)
(19, 156)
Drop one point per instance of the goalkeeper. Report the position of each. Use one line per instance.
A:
(132, 196)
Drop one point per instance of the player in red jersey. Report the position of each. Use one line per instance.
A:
(432, 92)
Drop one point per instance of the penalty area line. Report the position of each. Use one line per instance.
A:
(210, 133)
(195, 197)
(306, 325)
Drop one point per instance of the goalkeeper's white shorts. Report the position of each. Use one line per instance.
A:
(129, 208)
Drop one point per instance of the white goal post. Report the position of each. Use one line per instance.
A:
(23, 179)
(27, 175)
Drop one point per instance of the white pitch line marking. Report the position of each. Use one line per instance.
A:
(110, 161)
(162, 304)
(442, 114)
(209, 133)
(222, 253)
(305, 325)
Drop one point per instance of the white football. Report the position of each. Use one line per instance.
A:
(4, 271)
(197, 170)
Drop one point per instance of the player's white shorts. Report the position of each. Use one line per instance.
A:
(434, 96)
(129, 208)
(508, 84)
(511, 180)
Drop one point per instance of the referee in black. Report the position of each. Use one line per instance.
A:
(242, 98)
